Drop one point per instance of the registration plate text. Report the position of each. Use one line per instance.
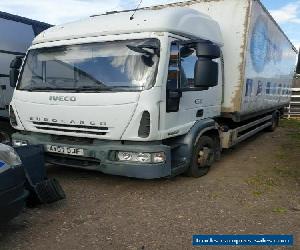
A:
(64, 150)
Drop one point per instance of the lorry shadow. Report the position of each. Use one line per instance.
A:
(64, 173)
(244, 144)
(12, 227)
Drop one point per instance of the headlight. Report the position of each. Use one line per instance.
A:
(9, 156)
(141, 157)
(20, 143)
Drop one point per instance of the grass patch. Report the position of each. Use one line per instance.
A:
(214, 195)
(281, 155)
(286, 166)
(293, 127)
(287, 171)
(295, 137)
(292, 123)
(293, 133)
(279, 210)
(257, 193)
(288, 155)
(261, 184)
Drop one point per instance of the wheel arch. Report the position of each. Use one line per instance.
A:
(183, 146)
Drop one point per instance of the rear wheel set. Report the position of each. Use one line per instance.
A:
(275, 122)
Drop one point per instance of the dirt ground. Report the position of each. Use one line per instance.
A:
(254, 189)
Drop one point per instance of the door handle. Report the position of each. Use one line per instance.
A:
(200, 113)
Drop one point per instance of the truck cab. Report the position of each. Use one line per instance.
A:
(113, 95)
(156, 92)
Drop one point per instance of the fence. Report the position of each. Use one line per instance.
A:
(293, 110)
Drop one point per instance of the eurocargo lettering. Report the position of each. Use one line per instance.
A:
(157, 93)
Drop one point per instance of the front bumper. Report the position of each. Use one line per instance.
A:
(97, 155)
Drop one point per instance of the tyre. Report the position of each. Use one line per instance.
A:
(4, 137)
(5, 132)
(275, 122)
(204, 155)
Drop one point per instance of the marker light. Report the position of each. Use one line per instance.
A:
(19, 143)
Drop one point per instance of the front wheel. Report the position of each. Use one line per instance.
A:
(4, 138)
(5, 132)
(203, 157)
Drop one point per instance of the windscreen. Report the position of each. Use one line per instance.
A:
(108, 66)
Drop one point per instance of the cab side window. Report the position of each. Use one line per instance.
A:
(173, 74)
(188, 60)
(181, 67)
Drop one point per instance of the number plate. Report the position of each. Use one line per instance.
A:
(64, 150)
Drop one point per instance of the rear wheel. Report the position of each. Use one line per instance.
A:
(203, 157)
(275, 122)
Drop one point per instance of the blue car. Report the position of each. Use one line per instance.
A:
(12, 180)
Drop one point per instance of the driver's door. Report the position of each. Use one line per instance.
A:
(192, 103)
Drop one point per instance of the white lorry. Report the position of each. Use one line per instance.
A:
(154, 93)
(17, 34)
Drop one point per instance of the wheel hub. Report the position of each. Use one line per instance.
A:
(204, 156)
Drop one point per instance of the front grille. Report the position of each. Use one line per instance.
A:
(80, 129)
(69, 126)
(70, 161)
(71, 140)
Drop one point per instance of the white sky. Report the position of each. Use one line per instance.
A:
(62, 11)
(286, 12)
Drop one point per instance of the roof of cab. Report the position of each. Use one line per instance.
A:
(177, 20)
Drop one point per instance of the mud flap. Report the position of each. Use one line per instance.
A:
(49, 191)
(42, 190)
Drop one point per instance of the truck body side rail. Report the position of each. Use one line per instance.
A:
(237, 135)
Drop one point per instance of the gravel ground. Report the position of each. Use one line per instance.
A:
(254, 189)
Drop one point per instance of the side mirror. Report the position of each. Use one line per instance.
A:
(208, 50)
(14, 70)
(206, 73)
(206, 70)
(13, 77)
(298, 65)
(16, 62)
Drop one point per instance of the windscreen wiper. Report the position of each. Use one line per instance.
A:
(146, 49)
(45, 89)
(93, 88)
